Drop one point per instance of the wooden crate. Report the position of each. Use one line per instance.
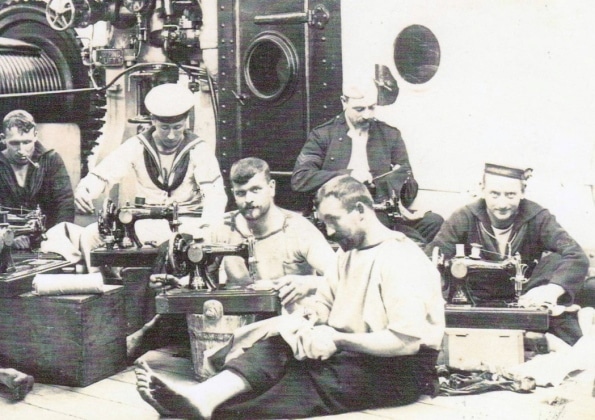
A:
(480, 349)
(72, 340)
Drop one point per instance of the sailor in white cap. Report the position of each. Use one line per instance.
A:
(169, 164)
(169, 102)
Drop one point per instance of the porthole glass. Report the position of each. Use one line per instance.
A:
(417, 54)
(270, 67)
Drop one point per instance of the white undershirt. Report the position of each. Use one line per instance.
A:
(502, 236)
(166, 163)
(359, 153)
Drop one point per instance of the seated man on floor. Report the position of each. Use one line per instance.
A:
(168, 164)
(357, 144)
(504, 223)
(371, 338)
(288, 248)
(31, 175)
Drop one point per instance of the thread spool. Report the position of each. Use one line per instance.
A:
(460, 250)
(475, 251)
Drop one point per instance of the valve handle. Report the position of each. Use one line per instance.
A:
(60, 14)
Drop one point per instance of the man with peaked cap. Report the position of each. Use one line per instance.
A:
(169, 164)
(504, 223)
(371, 151)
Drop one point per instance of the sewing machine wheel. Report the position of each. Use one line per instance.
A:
(177, 249)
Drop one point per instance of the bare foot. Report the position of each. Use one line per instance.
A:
(19, 383)
(163, 396)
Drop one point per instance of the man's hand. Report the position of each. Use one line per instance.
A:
(410, 215)
(546, 295)
(21, 242)
(158, 281)
(293, 287)
(83, 201)
(361, 176)
(319, 342)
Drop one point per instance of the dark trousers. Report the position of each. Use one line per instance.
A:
(564, 326)
(284, 387)
(421, 231)
(586, 294)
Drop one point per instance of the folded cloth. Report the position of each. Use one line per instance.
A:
(67, 284)
(64, 239)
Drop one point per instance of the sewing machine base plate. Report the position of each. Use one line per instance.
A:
(234, 301)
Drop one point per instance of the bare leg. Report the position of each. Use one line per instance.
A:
(19, 383)
(196, 401)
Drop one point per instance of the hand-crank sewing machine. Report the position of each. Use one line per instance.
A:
(116, 225)
(200, 261)
(485, 294)
(17, 268)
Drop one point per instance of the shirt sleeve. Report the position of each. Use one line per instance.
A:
(411, 293)
(308, 174)
(452, 232)
(207, 176)
(60, 192)
(572, 269)
(112, 169)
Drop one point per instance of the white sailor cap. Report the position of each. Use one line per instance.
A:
(169, 101)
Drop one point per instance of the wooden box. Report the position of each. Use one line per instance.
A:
(72, 340)
(479, 349)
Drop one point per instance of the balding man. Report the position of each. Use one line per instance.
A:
(355, 143)
(169, 164)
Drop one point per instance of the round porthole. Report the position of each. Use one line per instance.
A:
(271, 67)
(417, 54)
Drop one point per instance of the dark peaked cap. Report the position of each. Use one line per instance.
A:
(507, 171)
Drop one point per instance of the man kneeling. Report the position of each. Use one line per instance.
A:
(371, 340)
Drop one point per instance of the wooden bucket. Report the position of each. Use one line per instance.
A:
(209, 330)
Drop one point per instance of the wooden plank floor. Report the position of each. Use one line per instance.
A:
(116, 398)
